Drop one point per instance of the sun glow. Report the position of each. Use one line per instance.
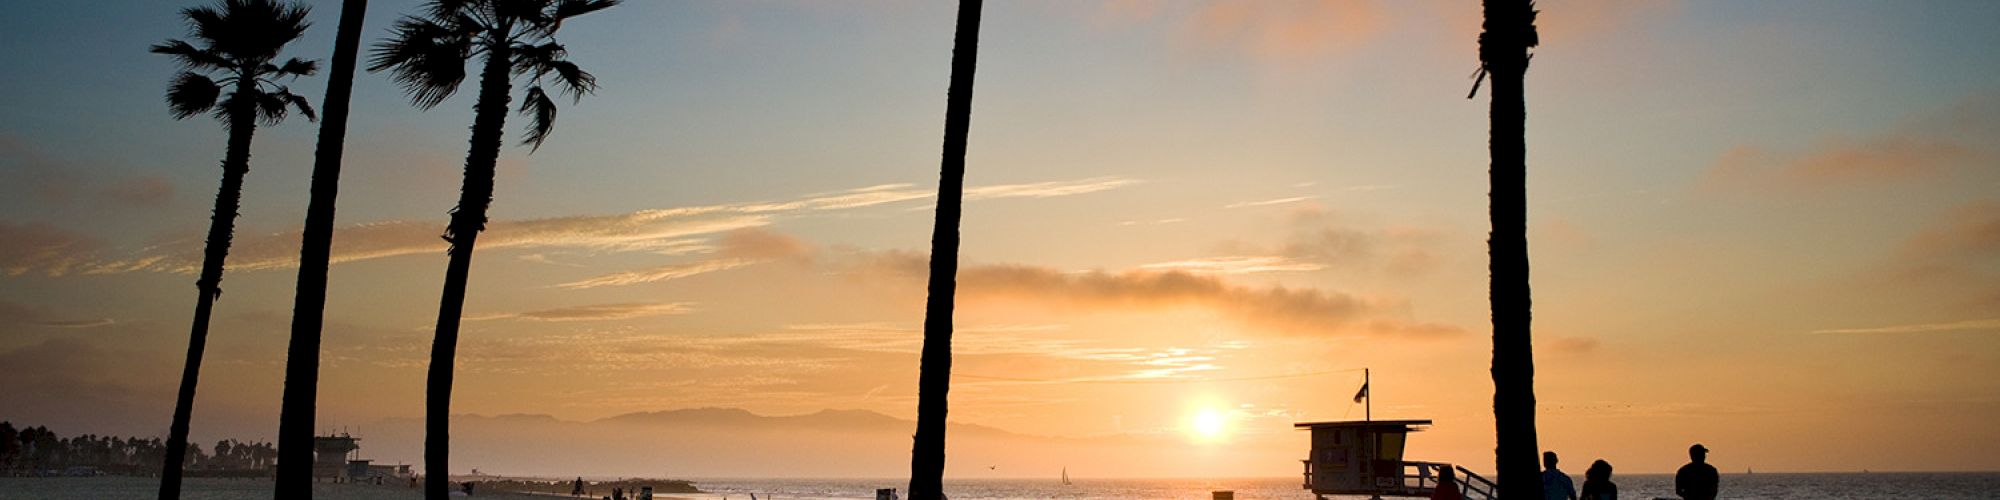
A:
(1208, 425)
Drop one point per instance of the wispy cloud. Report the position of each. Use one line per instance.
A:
(660, 273)
(44, 248)
(1956, 326)
(80, 324)
(1266, 203)
(668, 231)
(604, 312)
(737, 248)
(1048, 189)
(1235, 265)
(1273, 310)
(1926, 146)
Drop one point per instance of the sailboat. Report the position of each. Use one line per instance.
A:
(1065, 476)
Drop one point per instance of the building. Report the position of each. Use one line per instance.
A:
(1365, 457)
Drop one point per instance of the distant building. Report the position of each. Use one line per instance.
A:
(331, 454)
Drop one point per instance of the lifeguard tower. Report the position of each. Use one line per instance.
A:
(1365, 457)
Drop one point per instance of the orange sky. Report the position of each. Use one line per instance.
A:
(1768, 228)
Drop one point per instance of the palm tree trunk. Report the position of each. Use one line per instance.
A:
(467, 220)
(221, 228)
(1503, 50)
(934, 376)
(297, 416)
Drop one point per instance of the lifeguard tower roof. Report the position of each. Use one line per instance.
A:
(1374, 425)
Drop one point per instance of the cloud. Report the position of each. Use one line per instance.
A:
(1836, 162)
(1990, 325)
(79, 323)
(1274, 310)
(1957, 254)
(648, 230)
(670, 231)
(44, 248)
(1234, 265)
(761, 244)
(141, 191)
(738, 248)
(1323, 238)
(1279, 201)
(660, 273)
(1048, 189)
(1571, 345)
(12, 314)
(27, 173)
(597, 312)
(1281, 30)
(1925, 146)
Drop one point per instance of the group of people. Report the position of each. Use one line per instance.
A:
(1695, 481)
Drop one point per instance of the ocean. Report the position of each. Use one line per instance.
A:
(1856, 486)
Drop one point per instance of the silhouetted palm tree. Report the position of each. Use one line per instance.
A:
(233, 76)
(427, 55)
(295, 419)
(934, 377)
(1503, 55)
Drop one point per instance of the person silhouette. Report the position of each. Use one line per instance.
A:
(1597, 483)
(1697, 480)
(1447, 486)
(1556, 485)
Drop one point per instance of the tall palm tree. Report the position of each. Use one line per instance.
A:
(1503, 55)
(295, 419)
(934, 377)
(427, 55)
(232, 75)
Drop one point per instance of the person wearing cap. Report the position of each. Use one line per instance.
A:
(1697, 480)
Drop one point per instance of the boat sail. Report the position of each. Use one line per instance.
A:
(1065, 476)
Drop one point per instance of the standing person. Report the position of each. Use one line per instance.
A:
(1697, 480)
(1447, 487)
(1556, 484)
(1597, 483)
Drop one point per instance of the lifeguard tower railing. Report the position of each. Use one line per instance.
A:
(1421, 478)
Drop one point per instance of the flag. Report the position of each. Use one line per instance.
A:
(1362, 394)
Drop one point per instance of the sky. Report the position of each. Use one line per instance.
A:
(1768, 227)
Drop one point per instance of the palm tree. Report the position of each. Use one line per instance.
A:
(934, 377)
(1503, 55)
(295, 419)
(427, 55)
(232, 75)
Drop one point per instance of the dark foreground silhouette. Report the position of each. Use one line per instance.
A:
(231, 72)
(934, 373)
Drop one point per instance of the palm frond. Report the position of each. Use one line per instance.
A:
(271, 107)
(191, 94)
(249, 31)
(191, 57)
(294, 68)
(565, 9)
(547, 60)
(297, 101)
(426, 58)
(541, 113)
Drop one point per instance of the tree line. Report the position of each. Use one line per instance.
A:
(37, 451)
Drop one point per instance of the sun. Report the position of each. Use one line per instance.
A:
(1208, 425)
